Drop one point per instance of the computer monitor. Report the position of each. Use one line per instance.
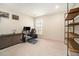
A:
(26, 28)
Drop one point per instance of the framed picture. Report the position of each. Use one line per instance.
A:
(15, 17)
(4, 14)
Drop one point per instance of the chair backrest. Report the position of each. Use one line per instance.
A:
(33, 31)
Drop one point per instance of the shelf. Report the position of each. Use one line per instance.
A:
(71, 16)
(75, 10)
(74, 24)
(74, 50)
(71, 24)
(73, 35)
(71, 47)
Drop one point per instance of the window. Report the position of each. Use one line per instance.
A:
(39, 25)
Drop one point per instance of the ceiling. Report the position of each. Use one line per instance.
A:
(36, 9)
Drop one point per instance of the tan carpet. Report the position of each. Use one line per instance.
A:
(43, 47)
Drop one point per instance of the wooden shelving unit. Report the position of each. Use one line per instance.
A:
(72, 45)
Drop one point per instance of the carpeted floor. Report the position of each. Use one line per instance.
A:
(43, 47)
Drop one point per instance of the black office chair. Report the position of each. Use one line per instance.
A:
(32, 33)
(24, 33)
(33, 36)
(28, 35)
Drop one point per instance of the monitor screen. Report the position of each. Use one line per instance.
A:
(26, 28)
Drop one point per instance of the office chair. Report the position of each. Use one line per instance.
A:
(29, 36)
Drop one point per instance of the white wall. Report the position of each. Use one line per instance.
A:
(7, 26)
(53, 26)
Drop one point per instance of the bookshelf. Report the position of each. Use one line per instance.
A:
(70, 34)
